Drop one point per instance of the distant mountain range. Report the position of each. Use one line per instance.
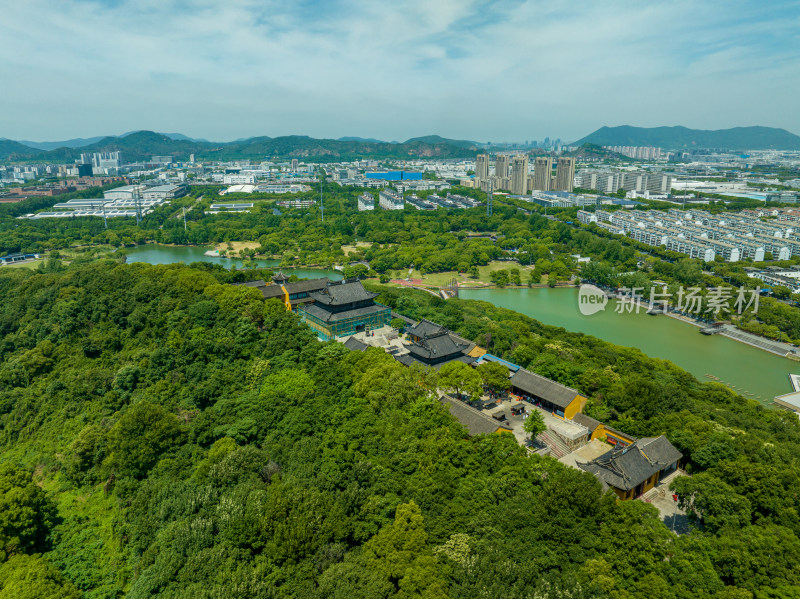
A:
(367, 139)
(676, 138)
(141, 145)
(78, 142)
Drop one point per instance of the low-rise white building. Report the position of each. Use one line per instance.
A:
(389, 200)
(366, 201)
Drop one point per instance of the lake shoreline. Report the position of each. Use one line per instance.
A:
(759, 376)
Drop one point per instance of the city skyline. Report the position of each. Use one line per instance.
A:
(82, 68)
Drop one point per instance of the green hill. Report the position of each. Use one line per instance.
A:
(590, 150)
(141, 145)
(737, 138)
(164, 433)
(13, 149)
(438, 139)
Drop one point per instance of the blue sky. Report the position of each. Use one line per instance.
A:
(484, 70)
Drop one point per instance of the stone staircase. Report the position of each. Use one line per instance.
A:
(661, 490)
(554, 442)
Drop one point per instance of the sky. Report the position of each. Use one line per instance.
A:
(466, 69)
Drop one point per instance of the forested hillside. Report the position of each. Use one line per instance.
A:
(671, 138)
(142, 145)
(164, 433)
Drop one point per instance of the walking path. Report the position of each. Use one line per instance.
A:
(731, 332)
(770, 345)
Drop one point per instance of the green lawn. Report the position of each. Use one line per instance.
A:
(441, 279)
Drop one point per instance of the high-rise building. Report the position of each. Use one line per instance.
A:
(482, 167)
(106, 160)
(542, 169)
(565, 174)
(294, 165)
(519, 174)
(501, 166)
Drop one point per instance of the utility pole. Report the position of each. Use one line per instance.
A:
(138, 202)
(184, 219)
(489, 199)
(321, 204)
(105, 220)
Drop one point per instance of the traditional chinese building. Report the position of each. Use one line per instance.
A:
(552, 396)
(343, 308)
(292, 295)
(475, 421)
(630, 470)
(434, 345)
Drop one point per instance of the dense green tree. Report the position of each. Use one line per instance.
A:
(31, 577)
(252, 460)
(400, 554)
(26, 514)
(142, 434)
(494, 375)
(460, 379)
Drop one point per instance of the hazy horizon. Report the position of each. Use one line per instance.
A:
(479, 70)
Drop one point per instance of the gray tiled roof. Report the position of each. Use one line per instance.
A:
(586, 421)
(475, 421)
(556, 393)
(466, 359)
(327, 316)
(436, 347)
(659, 450)
(307, 286)
(406, 359)
(338, 294)
(271, 291)
(627, 467)
(259, 283)
(354, 344)
(425, 328)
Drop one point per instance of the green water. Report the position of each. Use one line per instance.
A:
(171, 254)
(745, 368)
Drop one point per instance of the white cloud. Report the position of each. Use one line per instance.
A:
(485, 70)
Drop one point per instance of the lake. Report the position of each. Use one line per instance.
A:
(745, 368)
(171, 254)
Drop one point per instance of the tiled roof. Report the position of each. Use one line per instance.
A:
(259, 283)
(354, 344)
(425, 328)
(539, 386)
(431, 348)
(307, 286)
(339, 294)
(475, 421)
(627, 467)
(659, 450)
(586, 421)
(271, 291)
(326, 316)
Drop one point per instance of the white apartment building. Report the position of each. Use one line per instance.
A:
(366, 201)
(238, 179)
(389, 200)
